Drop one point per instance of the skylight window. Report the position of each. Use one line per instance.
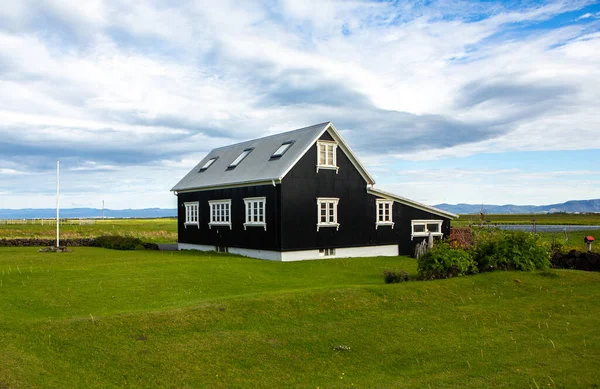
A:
(208, 164)
(240, 158)
(282, 149)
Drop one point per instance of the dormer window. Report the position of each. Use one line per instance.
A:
(208, 164)
(240, 158)
(282, 149)
(326, 155)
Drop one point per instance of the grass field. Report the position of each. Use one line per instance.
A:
(148, 230)
(97, 318)
(551, 218)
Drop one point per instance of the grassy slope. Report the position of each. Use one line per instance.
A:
(149, 230)
(100, 318)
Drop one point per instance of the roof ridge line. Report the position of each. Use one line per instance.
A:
(269, 136)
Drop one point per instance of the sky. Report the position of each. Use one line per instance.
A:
(443, 101)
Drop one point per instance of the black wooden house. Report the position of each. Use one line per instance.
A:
(297, 195)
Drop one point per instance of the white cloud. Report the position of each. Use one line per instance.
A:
(122, 88)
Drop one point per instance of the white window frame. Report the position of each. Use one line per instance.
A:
(208, 164)
(240, 158)
(333, 166)
(249, 203)
(334, 222)
(424, 223)
(380, 203)
(213, 215)
(190, 220)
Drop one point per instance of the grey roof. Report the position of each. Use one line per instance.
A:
(258, 165)
(412, 203)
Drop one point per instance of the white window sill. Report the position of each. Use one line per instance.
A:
(219, 225)
(328, 167)
(425, 234)
(384, 224)
(191, 224)
(335, 225)
(264, 225)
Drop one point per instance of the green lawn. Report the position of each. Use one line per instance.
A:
(148, 230)
(97, 318)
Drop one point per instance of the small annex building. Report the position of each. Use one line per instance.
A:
(297, 195)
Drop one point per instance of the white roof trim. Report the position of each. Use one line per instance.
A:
(344, 146)
(411, 203)
(229, 186)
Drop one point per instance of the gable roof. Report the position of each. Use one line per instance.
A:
(258, 166)
(411, 203)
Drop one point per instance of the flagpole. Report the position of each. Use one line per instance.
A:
(57, 203)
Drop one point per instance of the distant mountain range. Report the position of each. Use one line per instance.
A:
(581, 206)
(73, 213)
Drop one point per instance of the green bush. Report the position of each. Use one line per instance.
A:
(116, 242)
(395, 276)
(510, 250)
(443, 261)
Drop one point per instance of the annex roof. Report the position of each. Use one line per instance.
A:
(258, 166)
(411, 203)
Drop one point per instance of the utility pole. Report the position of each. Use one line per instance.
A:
(103, 209)
(57, 204)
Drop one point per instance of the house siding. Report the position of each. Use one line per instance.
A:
(250, 238)
(356, 209)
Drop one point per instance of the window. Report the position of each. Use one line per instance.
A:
(208, 164)
(282, 149)
(191, 214)
(255, 212)
(220, 213)
(384, 213)
(240, 158)
(327, 212)
(326, 155)
(424, 227)
(326, 252)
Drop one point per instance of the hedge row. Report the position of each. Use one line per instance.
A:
(114, 242)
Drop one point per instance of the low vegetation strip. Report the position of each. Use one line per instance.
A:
(147, 230)
(99, 318)
(114, 242)
(589, 219)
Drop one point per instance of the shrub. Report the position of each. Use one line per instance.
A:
(443, 261)
(395, 276)
(116, 242)
(510, 250)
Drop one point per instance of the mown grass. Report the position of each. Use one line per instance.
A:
(589, 219)
(97, 318)
(148, 230)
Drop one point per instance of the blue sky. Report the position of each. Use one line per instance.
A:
(443, 101)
